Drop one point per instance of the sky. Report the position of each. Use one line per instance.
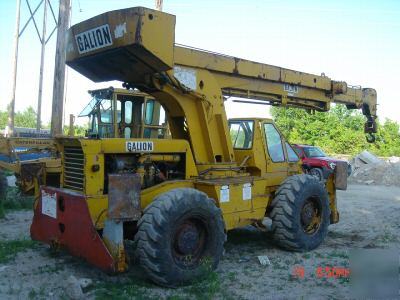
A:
(357, 41)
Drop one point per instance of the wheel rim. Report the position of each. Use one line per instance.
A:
(315, 173)
(189, 242)
(311, 215)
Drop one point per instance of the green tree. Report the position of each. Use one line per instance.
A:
(3, 119)
(27, 118)
(338, 131)
(78, 130)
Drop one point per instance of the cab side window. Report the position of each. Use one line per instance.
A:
(292, 155)
(274, 143)
(241, 134)
(154, 120)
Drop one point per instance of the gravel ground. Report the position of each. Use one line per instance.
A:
(369, 219)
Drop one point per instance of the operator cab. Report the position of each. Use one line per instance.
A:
(254, 135)
(120, 113)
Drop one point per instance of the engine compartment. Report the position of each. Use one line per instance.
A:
(152, 168)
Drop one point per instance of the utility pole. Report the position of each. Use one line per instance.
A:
(159, 4)
(11, 107)
(43, 40)
(59, 68)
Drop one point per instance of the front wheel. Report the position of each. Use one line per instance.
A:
(317, 173)
(300, 213)
(180, 237)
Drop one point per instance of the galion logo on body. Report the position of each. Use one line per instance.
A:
(139, 146)
(93, 39)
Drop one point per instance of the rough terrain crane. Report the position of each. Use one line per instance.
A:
(177, 198)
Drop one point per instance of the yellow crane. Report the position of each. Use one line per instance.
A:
(178, 197)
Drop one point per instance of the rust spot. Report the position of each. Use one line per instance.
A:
(124, 196)
(138, 36)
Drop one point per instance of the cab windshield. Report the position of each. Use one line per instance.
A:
(103, 126)
(136, 116)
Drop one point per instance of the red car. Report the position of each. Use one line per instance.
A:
(316, 162)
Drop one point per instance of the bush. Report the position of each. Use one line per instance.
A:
(14, 200)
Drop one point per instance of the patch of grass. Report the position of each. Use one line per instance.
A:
(2, 211)
(7, 173)
(132, 288)
(32, 294)
(176, 297)
(9, 249)
(206, 288)
(231, 276)
(14, 200)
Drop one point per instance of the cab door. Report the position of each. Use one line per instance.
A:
(294, 167)
(277, 165)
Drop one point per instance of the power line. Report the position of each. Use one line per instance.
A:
(43, 39)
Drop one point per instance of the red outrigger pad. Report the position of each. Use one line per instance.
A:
(61, 217)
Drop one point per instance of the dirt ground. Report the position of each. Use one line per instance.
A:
(369, 218)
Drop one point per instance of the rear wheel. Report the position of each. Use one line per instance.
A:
(300, 213)
(180, 237)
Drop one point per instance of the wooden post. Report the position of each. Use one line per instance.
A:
(71, 129)
(11, 107)
(43, 40)
(59, 68)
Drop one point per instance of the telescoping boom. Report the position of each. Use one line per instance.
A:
(142, 41)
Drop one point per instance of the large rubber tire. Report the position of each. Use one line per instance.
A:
(289, 213)
(180, 237)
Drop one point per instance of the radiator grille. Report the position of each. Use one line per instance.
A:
(73, 168)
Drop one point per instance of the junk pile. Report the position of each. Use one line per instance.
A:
(370, 169)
